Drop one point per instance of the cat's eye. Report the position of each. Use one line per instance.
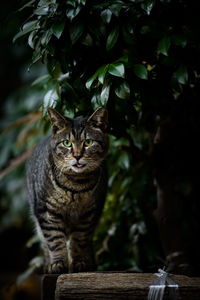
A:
(88, 142)
(67, 143)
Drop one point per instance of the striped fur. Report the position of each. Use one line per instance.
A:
(67, 187)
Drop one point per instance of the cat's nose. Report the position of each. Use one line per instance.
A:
(77, 157)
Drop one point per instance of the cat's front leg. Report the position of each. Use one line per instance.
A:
(81, 256)
(54, 240)
(56, 244)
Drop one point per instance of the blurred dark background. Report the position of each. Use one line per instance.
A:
(16, 228)
(143, 61)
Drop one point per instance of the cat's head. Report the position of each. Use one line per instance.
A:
(79, 145)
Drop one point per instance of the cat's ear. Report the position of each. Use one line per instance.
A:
(57, 120)
(99, 119)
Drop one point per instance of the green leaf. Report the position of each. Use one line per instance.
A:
(50, 98)
(54, 67)
(37, 55)
(72, 3)
(148, 5)
(140, 71)
(120, 142)
(76, 31)
(101, 98)
(181, 75)
(117, 69)
(105, 95)
(106, 15)
(83, 2)
(123, 59)
(58, 28)
(90, 81)
(123, 90)
(124, 161)
(54, 6)
(42, 10)
(45, 2)
(41, 80)
(63, 77)
(116, 8)
(26, 5)
(163, 45)
(29, 26)
(102, 73)
(96, 100)
(30, 39)
(72, 12)
(46, 37)
(112, 38)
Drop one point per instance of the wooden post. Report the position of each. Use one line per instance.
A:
(49, 287)
(108, 285)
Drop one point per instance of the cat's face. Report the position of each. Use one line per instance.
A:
(79, 145)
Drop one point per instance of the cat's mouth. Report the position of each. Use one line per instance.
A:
(78, 165)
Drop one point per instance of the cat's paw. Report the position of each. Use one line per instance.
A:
(58, 267)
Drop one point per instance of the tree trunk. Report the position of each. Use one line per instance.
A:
(172, 215)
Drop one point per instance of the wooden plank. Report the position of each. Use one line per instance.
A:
(108, 285)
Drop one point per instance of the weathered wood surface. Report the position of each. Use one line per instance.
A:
(107, 285)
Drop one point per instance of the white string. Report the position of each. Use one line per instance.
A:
(157, 288)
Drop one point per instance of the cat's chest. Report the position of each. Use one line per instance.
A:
(78, 205)
(73, 205)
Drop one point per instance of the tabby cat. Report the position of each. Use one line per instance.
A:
(66, 182)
